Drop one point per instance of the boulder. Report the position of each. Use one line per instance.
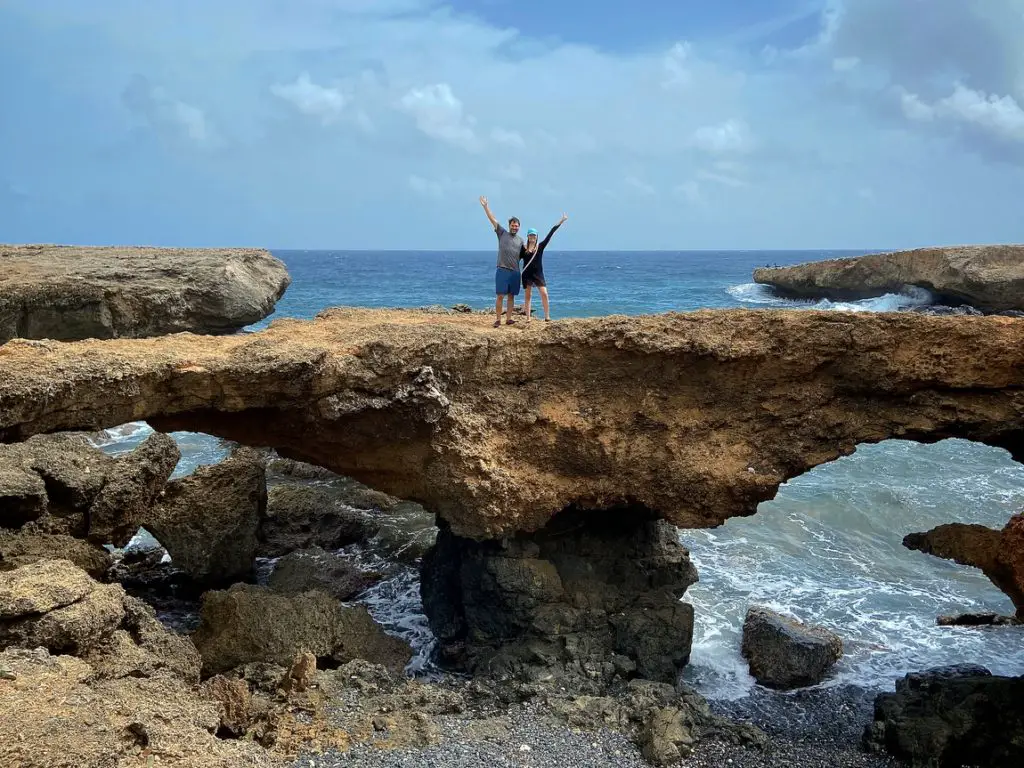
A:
(41, 587)
(247, 624)
(304, 516)
(74, 292)
(19, 548)
(315, 569)
(987, 277)
(233, 696)
(785, 653)
(951, 716)
(208, 521)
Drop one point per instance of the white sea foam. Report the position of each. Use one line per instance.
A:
(755, 293)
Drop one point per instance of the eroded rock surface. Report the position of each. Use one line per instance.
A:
(699, 415)
(950, 717)
(590, 598)
(999, 554)
(73, 292)
(988, 277)
(785, 653)
(247, 624)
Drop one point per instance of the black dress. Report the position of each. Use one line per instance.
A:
(533, 269)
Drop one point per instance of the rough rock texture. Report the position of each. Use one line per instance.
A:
(253, 624)
(18, 548)
(70, 292)
(590, 598)
(65, 718)
(60, 485)
(950, 717)
(304, 516)
(208, 520)
(999, 554)
(315, 569)
(785, 653)
(988, 277)
(699, 415)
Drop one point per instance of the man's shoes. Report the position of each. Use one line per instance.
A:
(497, 323)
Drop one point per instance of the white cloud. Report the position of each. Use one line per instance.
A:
(431, 189)
(507, 138)
(439, 114)
(998, 116)
(729, 137)
(166, 113)
(639, 186)
(721, 178)
(674, 63)
(845, 63)
(311, 99)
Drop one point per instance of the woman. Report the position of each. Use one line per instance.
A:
(533, 267)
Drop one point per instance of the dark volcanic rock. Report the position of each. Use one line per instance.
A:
(71, 292)
(951, 717)
(592, 597)
(784, 653)
(977, 620)
(254, 624)
(304, 516)
(208, 521)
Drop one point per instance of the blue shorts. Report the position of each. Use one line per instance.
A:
(506, 282)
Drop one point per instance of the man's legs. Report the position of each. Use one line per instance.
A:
(543, 300)
(497, 309)
(508, 313)
(526, 302)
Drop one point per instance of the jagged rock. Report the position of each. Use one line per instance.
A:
(310, 569)
(977, 620)
(247, 624)
(988, 277)
(785, 653)
(74, 292)
(305, 516)
(234, 699)
(405, 533)
(19, 548)
(999, 554)
(593, 596)
(951, 716)
(41, 587)
(208, 520)
(132, 486)
(300, 675)
(699, 415)
(64, 717)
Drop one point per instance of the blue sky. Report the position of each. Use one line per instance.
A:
(378, 123)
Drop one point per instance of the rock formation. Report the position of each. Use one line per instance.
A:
(950, 717)
(999, 554)
(784, 653)
(699, 416)
(988, 277)
(593, 597)
(71, 292)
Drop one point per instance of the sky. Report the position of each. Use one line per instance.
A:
(377, 124)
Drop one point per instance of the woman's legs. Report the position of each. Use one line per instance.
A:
(526, 301)
(543, 300)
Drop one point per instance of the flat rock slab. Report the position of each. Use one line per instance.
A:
(68, 293)
(987, 277)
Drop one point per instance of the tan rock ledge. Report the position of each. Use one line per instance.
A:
(698, 416)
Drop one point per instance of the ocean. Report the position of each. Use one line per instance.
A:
(827, 549)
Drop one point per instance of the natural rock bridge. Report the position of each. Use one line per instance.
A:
(550, 452)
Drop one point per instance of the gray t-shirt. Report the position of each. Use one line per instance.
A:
(509, 247)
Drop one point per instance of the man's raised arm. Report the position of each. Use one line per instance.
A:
(487, 210)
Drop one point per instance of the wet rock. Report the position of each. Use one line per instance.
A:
(253, 624)
(314, 568)
(785, 653)
(132, 486)
(19, 548)
(999, 554)
(951, 716)
(208, 521)
(592, 597)
(304, 516)
(405, 533)
(977, 620)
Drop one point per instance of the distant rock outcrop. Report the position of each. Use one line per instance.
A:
(988, 277)
(71, 292)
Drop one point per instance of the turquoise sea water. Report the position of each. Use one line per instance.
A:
(827, 549)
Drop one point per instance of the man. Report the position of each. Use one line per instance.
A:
(506, 276)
